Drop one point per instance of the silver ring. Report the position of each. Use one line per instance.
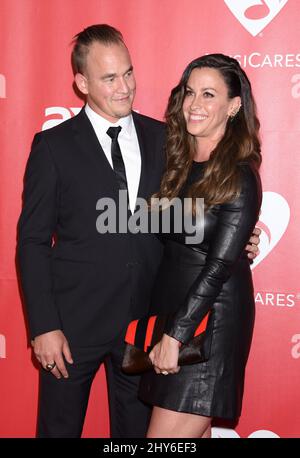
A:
(164, 373)
(50, 366)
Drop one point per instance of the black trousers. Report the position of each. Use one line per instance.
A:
(63, 402)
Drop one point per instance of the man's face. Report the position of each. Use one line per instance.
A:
(108, 80)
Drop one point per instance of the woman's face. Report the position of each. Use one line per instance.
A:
(206, 106)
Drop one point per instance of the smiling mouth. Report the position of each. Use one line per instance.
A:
(197, 118)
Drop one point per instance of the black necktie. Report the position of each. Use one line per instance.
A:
(116, 155)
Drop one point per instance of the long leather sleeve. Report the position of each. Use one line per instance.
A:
(36, 227)
(236, 221)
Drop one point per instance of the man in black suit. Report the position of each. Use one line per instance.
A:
(81, 288)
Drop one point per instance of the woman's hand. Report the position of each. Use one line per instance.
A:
(252, 245)
(164, 356)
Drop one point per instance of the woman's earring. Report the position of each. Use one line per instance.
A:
(235, 112)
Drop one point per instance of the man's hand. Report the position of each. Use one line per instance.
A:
(164, 356)
(252, 246)
(49, 348)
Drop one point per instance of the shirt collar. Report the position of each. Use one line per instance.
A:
(101, 124)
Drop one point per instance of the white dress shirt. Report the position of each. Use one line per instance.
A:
(129, 146)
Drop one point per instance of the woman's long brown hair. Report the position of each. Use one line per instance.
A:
(240, 142)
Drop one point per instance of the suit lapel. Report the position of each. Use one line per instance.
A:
(145, 155)
(87, 140)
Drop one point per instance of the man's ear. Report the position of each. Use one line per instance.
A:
(81, 83)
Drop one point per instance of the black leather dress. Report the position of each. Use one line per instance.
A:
(214, 276)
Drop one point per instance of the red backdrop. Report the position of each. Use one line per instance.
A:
(163, 36)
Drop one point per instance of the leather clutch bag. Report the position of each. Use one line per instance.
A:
(143, 334)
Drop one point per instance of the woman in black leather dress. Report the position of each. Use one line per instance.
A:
(213, 152)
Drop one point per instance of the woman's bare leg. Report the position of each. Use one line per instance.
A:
(207, 433)
(167, 423)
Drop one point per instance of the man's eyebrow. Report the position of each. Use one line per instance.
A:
(108, 75)
(113, 75)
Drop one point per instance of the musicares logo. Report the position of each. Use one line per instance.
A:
(273, 222)
(227, 433)
(255, 15)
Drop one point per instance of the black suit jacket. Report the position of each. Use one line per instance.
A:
(90, 285)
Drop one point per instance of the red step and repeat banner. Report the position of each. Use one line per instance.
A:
(163, 36)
